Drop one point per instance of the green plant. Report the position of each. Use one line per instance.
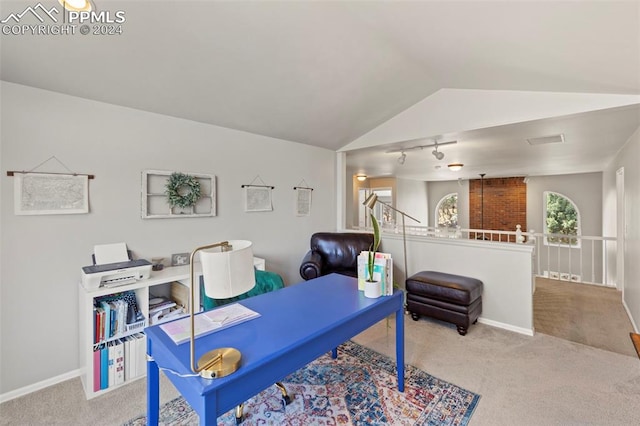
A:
(562, 218)
(374, 247)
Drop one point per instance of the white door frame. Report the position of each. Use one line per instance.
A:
(621, 226)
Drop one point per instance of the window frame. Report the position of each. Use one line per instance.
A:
(436, 211)
(546, 242)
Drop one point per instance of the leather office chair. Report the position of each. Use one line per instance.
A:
(334, 252)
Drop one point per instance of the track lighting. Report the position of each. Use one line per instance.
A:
(402, 158)
(437, 154)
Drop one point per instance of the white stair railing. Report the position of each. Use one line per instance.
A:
(589, 259)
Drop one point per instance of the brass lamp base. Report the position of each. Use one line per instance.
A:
(219, 363)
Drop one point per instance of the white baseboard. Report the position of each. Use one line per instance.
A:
(633, 323)
(509, 327)
(38, 386)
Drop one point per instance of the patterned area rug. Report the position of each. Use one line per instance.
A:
(358, 388)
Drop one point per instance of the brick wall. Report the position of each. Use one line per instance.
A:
(505, 204)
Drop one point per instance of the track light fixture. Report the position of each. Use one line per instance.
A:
(402, 158)
(437, 154)
(411, 148)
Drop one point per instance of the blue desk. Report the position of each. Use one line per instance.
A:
(297, 325)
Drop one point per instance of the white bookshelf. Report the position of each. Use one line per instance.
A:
(158, 284)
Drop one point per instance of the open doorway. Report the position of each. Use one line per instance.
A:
(383, 214)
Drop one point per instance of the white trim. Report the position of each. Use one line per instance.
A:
(38, 386)
(633, 323)
(504, 326)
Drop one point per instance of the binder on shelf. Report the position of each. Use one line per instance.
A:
(133, 354)
(126, 342)
(96, 369)
(104, 366)
(141, 354)
(119, 362)
(111, 363)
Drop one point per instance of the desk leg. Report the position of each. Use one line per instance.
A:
(153, 391)
(400, 347)
(209, 416)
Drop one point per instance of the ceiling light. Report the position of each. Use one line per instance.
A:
(454, 167)
(546, 139)
(361, 177)
(76, 5)
(438, 155)
(402, 158)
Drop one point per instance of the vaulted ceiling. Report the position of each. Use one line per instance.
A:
(330, 73)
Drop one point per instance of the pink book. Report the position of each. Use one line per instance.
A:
(96, 370)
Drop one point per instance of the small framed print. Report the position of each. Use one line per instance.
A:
(180, 259)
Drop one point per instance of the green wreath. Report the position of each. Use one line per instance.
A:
(182, 190)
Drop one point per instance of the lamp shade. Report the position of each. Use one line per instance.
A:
(371, 200)
(228, 273)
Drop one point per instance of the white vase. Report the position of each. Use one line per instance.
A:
(372, 290)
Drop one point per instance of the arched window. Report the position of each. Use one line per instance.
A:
(562, 218)
(447, 211)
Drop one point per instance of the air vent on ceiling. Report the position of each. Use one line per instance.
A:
(546, 139)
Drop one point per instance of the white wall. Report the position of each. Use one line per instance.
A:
(412, 198)
(629, 158)
(585, 190)
(41, 256)
(504, 268)
(438, 189)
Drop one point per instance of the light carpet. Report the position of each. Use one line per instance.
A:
(357, 388)
(582, 313)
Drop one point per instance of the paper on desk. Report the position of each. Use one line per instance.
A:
(110, 253)
(208, 322)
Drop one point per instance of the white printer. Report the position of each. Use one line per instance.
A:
(113, 267)
(115, 274)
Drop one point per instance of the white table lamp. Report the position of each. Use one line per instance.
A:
(226, 273)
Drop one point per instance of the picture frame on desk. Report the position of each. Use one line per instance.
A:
(180, 259)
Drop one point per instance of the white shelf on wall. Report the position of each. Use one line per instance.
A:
(154, 200)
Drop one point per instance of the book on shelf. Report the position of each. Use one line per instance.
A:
(116, 315)
(207, 322)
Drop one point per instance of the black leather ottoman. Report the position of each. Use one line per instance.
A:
(447, 297)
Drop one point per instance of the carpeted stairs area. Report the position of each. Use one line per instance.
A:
(582, 313)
